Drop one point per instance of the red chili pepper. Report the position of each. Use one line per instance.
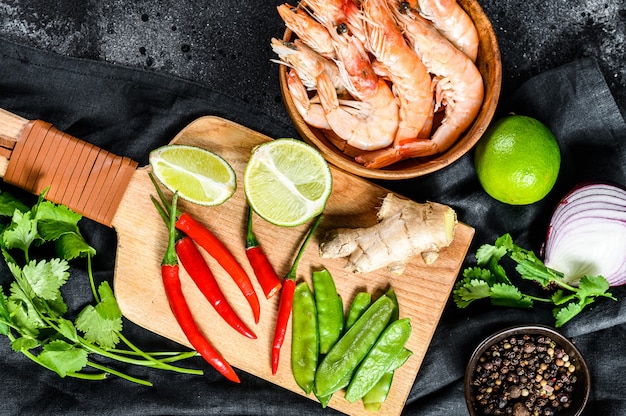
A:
(263, 270)
(198, 269)
(180, 309)
(208, 241)
(286, 300)
(194, 264)
(284, 312)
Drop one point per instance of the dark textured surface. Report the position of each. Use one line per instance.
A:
(226, 44)
(134, 104)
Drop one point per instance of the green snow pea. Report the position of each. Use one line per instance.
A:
(376, 396)
(379, 359)
(360, 303)
(344, 357)
(374, 399)
(392, 295)
(329, 309)
(304, 337)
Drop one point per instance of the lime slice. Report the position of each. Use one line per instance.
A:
(287, 182)
(199, 176)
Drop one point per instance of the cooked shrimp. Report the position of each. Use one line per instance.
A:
(459, 83)
(354, 21)
(452, 21)
(305, 27)
(367, 125)
(354, 65)
(330, 13)
(312, 112)
(411, 82)
(307, 63)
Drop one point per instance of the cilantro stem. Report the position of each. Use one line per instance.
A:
(564, 285)
(151, 362)
(35, 359)
(89, 376)
(538, 299)
(32, 315)
(119, 374)
(489, 280)
(157, 363)
(168, 356)
(92, 283)
(160, 363)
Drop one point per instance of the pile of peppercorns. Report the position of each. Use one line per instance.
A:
(523, 375)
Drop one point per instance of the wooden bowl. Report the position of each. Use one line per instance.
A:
(490, 67)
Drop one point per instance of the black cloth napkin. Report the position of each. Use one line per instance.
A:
(129, 112)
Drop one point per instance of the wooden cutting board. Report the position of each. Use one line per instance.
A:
(109, 189)
(422, 291)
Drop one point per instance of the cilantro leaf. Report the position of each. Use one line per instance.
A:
(486, 252)
(46, 277)
(590, 286)
(508, 295)
(32, 314)
(5, 318)
(561, 297)
(63, 358)
(8, 205)
(565, 313)
(491, 281)
(55, 220)
(470, 290)
(23, 313)
(72, 245)
(24, 343)
(59, 223)
(108, 306)
(101, 323)
(481, 274)
(22, 232)
(67, 329)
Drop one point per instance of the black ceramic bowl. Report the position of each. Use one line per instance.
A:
(528, 366)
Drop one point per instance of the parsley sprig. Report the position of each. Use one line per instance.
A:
(33, 311)
(489, 280)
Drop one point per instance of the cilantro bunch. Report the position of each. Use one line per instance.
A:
(33, 311)
(489, 280)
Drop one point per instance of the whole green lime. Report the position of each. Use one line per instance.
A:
(517, 160)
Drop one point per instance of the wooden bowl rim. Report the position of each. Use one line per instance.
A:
(413, 168)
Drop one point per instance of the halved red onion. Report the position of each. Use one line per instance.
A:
(587, 234)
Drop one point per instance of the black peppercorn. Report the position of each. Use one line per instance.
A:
(523, 376)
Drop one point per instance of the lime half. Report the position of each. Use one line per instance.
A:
(199, 176)
(287, 182)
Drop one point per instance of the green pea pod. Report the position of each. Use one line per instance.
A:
(324, 400)
(376, 396)
(392, 295)
(304, 338)
(344, 357)
(329, 309)
(374, 399)
(361, 302)
(379, 359)
(401, 358)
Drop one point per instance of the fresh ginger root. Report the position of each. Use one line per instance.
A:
(405, 229)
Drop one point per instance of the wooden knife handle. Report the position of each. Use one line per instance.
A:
(11, 125)
(87, 179)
